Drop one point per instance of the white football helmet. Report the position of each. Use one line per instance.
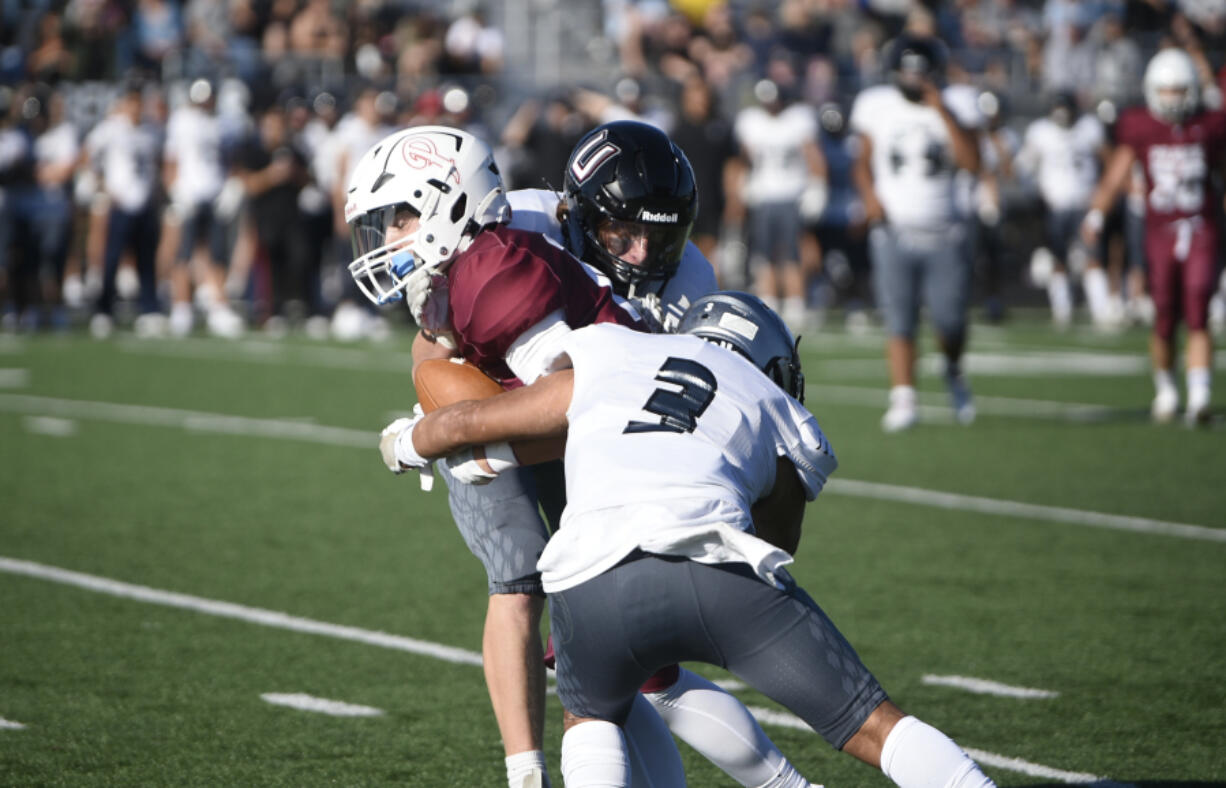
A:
(447, 177)
(1171, 69)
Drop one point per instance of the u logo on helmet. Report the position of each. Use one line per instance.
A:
(420, 153)
(593, 154)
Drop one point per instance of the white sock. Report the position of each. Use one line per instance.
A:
(1061, 298)
(1198, 387)
(1098, 295)
(1164, 380)
(902, 395)
(525, 764)
(917, 755)
(654, 759)
(594, 756)
(793, 310)
(723, 731)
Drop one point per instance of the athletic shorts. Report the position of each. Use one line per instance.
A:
(774, 233)
(507, 522)
(1062, 229)
(932, 267)
(199, 226)
(612, 632)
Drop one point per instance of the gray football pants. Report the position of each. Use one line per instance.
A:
(649, 611)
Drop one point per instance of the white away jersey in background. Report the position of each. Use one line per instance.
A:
(193, 142)
(912, 160)
(774, 145)
(128, 156)
(1063, 161)
(671, 440)
(535, 210)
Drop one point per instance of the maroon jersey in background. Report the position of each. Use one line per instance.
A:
(509, 280)
(1178, 160)
(1181, 211)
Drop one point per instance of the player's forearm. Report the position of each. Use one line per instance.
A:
(1113, 181)
(525, 414)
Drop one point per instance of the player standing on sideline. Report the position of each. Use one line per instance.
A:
(1179, 147)
(1064, 152)
(126, 151)
(194, 173)
(658, 560)
(504, 298)
(911, 147)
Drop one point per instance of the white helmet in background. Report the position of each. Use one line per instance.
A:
(1171, 70)
(447, 178)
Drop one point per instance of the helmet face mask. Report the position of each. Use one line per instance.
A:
(443, 178)
(914, 61)
(1170, 85)
(742, 323)
(630, 202)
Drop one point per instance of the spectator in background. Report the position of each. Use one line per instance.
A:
(356, 132)
(158, 30)
(705, 136)
(777, 140)
(1117, 63)
(911, 148)
(194, 174)
(1063, 152)
(840, 229)
(539, 138)
(273, 173)
(471, 45)
(18, 206)
(57, 150)
(124, 148)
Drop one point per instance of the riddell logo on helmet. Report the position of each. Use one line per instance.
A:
(651, 216)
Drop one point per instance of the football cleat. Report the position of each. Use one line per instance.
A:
(1165, 403)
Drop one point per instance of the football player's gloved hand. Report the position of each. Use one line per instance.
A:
(396, 445)
(426, 294)
(482, 464)
(813, 199)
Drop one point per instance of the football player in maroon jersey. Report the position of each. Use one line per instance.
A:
(1178, 147)
(425, 205)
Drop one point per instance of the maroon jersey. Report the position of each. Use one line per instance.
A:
(1178, 160)
(509, 280)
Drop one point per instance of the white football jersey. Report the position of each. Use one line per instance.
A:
(128, 156)
(535, 210)
(912, 160)
(774, 145)
(193, 142)
(671, 440)
(1063, 161)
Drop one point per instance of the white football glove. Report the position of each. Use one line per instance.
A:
(466, 466)
(426, 294)
(661, 317)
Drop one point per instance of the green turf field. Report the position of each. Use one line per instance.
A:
(161, 500)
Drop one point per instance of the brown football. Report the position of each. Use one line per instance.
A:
(441, 381)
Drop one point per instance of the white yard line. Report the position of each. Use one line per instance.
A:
(934, 405)
(272, 618)
(341, 436)
(334, 708)
(11, 378)
(253, 615)
(1029, 511)
(265, 352)
(9, 725)
(51, 426)
(987, 687)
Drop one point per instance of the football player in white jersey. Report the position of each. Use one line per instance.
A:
(194, 173)
(628, 201)
(912, 147)
(1064, 152)
(674, 442)
(785, 181)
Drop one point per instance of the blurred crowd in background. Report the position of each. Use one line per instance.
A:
(176, 167)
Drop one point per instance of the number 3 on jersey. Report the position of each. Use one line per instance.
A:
(678, 409)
